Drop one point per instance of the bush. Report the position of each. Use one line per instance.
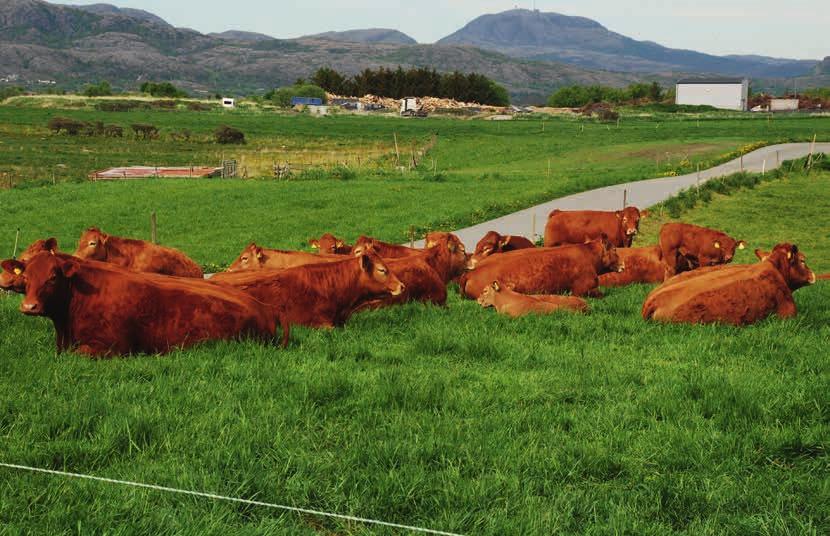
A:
(165, 104)
(182, 135)
(101, 89)
(7, 92)
(118, 106)
(145, 132)
(162, 89)
(73, 127)
(282, 96)
(227, 135)
(199, 107)
(113, 131)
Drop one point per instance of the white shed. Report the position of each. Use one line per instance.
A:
(723, 93)
(228, 102)
(783, 105)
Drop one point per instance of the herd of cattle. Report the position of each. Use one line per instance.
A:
(118, 296)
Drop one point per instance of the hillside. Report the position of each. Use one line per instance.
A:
(550, 36)
(372, 35)
(237, 35)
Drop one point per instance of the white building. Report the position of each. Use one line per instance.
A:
(228, 102)
(723, 93)
(783, 105)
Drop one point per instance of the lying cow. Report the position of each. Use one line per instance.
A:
(574, 269)
(317, 295)
(100, 310)
(11, 276)
(577, 226)
(330, 245)
(384, 249)
(493, 243)
(642, 265)
(737, 295)
(509, 302)
(254, 257)
(701, 245)
(136, 255)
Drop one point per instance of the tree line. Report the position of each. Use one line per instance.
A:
(579, 96)
(416, 82)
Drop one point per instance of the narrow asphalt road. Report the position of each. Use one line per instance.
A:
(644, 193)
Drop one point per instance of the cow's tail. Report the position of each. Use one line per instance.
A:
(285, 325)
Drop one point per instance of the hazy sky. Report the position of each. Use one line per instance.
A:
(793, 29)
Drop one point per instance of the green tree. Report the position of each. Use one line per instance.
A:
(101, 89)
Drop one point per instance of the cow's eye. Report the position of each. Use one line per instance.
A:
(93, 244)
(382, 270)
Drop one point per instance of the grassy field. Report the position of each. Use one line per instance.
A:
(484, 169)
(451, 418)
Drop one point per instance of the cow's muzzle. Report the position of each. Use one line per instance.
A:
(398, 290)
(28, 308)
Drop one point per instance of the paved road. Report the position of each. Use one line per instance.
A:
(643, 193)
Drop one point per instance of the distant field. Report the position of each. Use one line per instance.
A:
(453, 418)
(482, 169)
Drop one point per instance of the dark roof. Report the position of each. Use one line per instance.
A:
(711, 81)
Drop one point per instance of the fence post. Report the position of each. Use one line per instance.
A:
(397, 150)
(742, 163)
(153, 228)
(764, 168)
(533, 228)
(412, 236)
(16, 242)
(625, 198)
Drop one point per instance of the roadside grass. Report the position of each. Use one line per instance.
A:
(450, 418)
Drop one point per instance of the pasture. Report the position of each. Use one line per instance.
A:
(451, 418)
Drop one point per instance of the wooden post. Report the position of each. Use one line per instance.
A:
(625, 198)
(153, 228)
(698, 174)
(742, 163)
(533, 228)
(777, 158)
(412, 236)
(16, 242)
(397, 150)
(764, 168)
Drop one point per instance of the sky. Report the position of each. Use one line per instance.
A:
(795, 29)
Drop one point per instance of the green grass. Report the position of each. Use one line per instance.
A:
(451, 418)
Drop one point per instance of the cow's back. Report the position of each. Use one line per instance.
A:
(578, 226)
(642, 265)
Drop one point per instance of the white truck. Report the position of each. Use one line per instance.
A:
(411, 107)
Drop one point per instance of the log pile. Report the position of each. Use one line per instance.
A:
(429, 104)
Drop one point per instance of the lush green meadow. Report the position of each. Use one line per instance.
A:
(450, 418)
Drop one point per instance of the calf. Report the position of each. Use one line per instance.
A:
(737, 295)
(255, 257)
(136, 255)
(102, 310)
(317, 295)
(384, 249)
(702, 246)
(330, 245)
(11, 277)
(493, 243)
(574, 269)
(577, 226)
(509, 302)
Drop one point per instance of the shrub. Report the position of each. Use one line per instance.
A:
(199, 107)
(113, 131)
(118, 106)
(162, 89)
(182, 135)
(343, 173)
(145, 132)
(165, 104)
(226, 135)
(72, 126)
(282, 96)
(101, 89)
(7, 92)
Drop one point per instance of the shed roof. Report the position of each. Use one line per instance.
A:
(711, 81)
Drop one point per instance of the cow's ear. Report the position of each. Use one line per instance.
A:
(51, 244)
(314, 243)
(70, 267)
(496, 286)
(644, 214)
(13, 266)
(258, 252)
(619, 214)
(338, 244)
(793, 253)
(762, 255)
(717, 244)
(366, 263)
(741, 244)
(504, 240)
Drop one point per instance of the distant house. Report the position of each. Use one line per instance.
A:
(306, 101)
(228, 102)
(723, 93)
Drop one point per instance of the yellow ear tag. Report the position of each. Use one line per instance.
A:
(717, 245)
(18, 271)
(741, 245)
(789, 255)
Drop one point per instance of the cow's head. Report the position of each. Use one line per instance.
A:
(487, 298)
(330, 245)
(721, 250)
(12, 277)
(609, 258)
(92, 245)
(251, 258)
(791, 263)
(48, 244)
(376, 277)
(630, 221)
(363, 245)
(48, 279)
(452, 250)
(491, 243)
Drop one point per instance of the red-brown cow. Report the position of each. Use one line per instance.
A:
(642, 265)
(737, 295)
(330, 245)
(384, 249)
(577, 226)
(574, 269)
(701, 245)
(493, 243)
(99, 309)
(317, 295)
(11, 277)
(136, 255)
(509, 302)
(255, 257)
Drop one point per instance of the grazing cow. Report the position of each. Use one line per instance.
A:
(577, 226)
(509, 302)
(384, 249)
(493, 243)
(574, 269)
(136, 255)
(330, 245)
(700, 245)
(100, 310)
(317, 295)
(255, 257)
(737, 295)
(11, 277)
(426, 273)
